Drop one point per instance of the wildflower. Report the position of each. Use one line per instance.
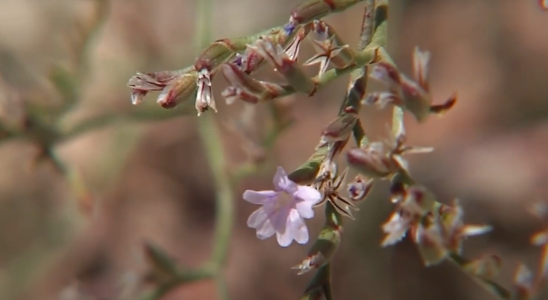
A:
(283, 210)
(175, 86)
(412, 95)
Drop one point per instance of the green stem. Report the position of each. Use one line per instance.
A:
(211, 140)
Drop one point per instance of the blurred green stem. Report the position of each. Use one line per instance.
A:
(211, 140)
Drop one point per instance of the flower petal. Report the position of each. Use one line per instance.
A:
(259, 197)
(278, 218)
(297, 227)
(305, 210)
(308, 194)
(283, 183)
(285, 237)
(265, 231)
(257, 218)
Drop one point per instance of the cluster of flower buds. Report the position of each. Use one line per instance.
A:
(412, 95)
(437, 229)
(383, 159)
(238, 58)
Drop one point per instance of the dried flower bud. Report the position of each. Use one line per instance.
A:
(416, 203)
(327, 243)
(175, 86)
(340, 129)
(372, 161)
(523, 284)
(429, 240)
(246, 88)
(487, 267)
(216, 54)
(412, 95)
(311, 10)
(294, 46)
(359, 188)
(204, 98)
(322, 251)
(276, 56)
(330, 49)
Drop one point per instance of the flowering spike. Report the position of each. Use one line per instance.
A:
(175, 86)
(276, 55)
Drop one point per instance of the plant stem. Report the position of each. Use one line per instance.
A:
(211, 140)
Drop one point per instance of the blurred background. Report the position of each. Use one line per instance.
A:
(79, 234)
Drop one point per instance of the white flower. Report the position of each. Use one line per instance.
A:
(283, 210)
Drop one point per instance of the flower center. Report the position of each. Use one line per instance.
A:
(284, 199)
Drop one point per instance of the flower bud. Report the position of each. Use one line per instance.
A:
(322, 251)
(486, 267)
(175, 86)
(276, 56)
(371, 161)
(340, 129)
(359, 188)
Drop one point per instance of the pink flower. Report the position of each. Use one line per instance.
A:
(283, 210)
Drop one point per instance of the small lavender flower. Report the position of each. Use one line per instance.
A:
(283, 210)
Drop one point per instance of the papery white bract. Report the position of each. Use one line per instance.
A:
(283, 210)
